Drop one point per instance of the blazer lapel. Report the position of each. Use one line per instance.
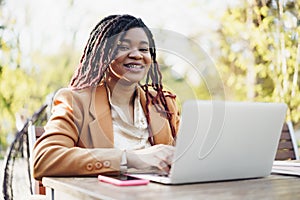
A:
(101, 129)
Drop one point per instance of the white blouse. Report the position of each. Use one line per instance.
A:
(128, 136)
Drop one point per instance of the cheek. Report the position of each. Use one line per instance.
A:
(115, 66)
(147, 59)
(119, 57)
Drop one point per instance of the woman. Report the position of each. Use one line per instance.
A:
(106, 120)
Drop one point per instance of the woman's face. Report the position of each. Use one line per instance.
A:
(133, 58)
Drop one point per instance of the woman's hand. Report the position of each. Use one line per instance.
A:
(159, 156)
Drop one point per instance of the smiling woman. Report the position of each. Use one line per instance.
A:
(107, 120)
(133, 58)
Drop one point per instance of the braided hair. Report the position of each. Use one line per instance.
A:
(100, 51)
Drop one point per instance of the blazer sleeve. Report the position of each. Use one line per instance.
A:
(55, 152)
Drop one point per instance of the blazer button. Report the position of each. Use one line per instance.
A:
(89, 166)
(106, 163)
(98, 165)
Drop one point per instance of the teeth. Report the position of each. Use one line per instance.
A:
(134, 66)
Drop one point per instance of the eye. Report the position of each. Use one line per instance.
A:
(123, 47)
(145, 49)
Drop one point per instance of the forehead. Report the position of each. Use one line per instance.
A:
(136, 35)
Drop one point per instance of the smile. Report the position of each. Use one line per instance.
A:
(131, 66)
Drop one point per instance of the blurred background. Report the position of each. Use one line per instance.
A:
(244, 50)
(252, 44)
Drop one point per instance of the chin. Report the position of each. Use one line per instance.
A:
(129, 81)
(134, 78)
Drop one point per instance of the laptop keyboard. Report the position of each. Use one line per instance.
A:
(162, 174)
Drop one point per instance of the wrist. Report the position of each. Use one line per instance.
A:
(130, 159)
(123, 164)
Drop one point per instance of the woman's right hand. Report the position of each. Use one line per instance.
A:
(159, 156)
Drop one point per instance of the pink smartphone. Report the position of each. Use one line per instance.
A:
(123, 180)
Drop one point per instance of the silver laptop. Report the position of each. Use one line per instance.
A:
(220, 140)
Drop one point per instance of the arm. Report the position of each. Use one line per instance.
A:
(161, 154)
(56, 152)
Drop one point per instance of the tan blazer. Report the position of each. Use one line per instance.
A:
(78, 138)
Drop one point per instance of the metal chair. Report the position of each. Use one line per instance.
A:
(19, 149)
(34, 132)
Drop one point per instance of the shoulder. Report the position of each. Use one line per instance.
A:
(169, 97)
(166, 93)
(69, 92)
(70, 97)
(171, 101)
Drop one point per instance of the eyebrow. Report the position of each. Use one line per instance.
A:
(129, 41)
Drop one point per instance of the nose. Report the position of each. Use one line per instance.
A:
(135, 53)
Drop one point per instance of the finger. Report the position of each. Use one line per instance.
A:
(163, 166)
(169, 159)
(166, 155)
(163, 162)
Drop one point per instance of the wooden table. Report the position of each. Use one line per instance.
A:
(271, 187)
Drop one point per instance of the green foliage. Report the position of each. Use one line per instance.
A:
(24, 88)
(23, 91)
(260, 53)
(55, 71)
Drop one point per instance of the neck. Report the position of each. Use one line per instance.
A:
(121, 94)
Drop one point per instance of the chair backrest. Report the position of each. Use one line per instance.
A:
(287, 147)
(34, 132)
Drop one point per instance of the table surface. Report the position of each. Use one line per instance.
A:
(271, 187)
